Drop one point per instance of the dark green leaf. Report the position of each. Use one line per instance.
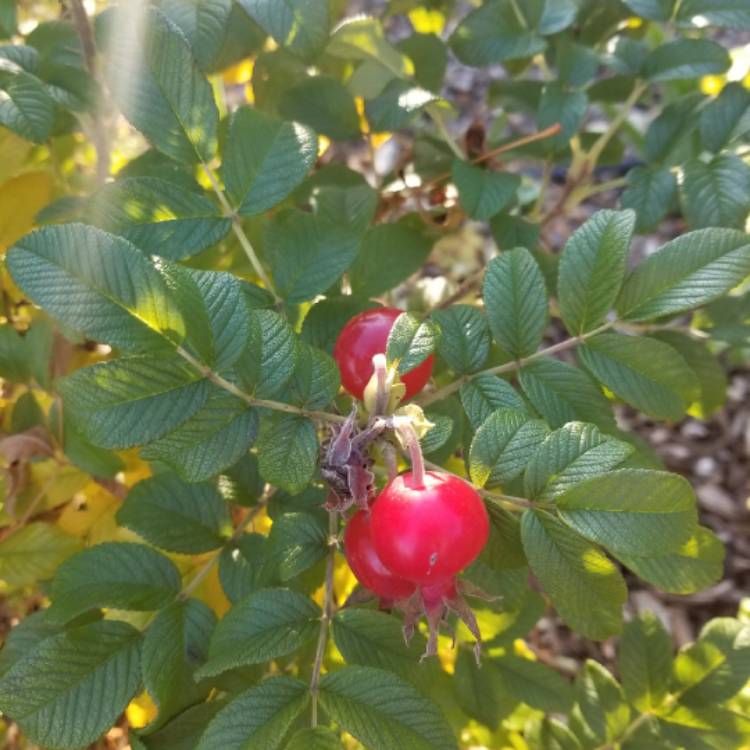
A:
(326, 318)
(651, 192)
(484, 394)
(119, 575)
(482, 192)
(515, 300)
(175, 515)
(27, 109)
(727, 117)
(592, 268)
(297, 541)
(410, 342)
(266, 625)
(716, 193)
(203, 22)
(398, 104)
(686, 58)
(465, 340)
(247, 565)
(288, 452)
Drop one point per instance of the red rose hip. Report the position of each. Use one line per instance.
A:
(364, 336)
(365, 563)
(429, 533)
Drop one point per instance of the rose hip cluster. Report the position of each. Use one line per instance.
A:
(409, 544)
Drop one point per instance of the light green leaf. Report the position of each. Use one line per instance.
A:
(383, 712)
(176, 643)
(465, 340)
(645, 660)
(685, 273)
(696, 565)
(562, 393)
(71, 688)
(119, 575)
(362, 38)
(8, 18)
(288, 452)
(34, 553)
(126, 402)
(214, 438)
(258, 718)
(479, 692)
(592, 268)
(686, 58)
(570, 455)
(307, 253)
(707, 368)
(411, 341)
(158, 216)
(551, 734)
(602, 703)
(727, 117)
(266, 625)
(584, 585)
(503, 446)
(300, 26)
(484, 394)
(97, 284)
(297, 541)
(389, 254)
(265, 159)
(632, 511)
(25, 106)
(651, 192)
(492, 34)
(203, 22)
(482, 192)
(155, 81)
(175, 515)
(715, 194)
(644, 372)
(319, 738)
(716, 666)
(515, 300)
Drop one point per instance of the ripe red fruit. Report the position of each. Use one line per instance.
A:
(364, 336)
(365, 563)
(429, 533)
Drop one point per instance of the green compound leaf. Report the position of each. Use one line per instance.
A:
(382, 711)
(572, 454)
(175, 515)
(258, 718)
(584, 585)
(503, 446)
(644, 372)
(156, 83)
(592, 268)
(119, 575)
(484, 394)
(266, 625)
(72, 686)
(696, 565)
(465, 339)
(265, 159)
(685, 273)
(132, 401)
(288, 452)
(97, 284)
(482, 192)
(515, 300)
(632, 511)
(411, 341)
(27, 108)
(158, 216)
(686, 58)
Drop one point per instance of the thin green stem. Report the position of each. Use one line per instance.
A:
(326, 617)
(437, 118)
(262, 403)
(239, 232)
(570, 343)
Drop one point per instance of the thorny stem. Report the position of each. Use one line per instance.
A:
(240, 233)
(325, 619)
(247, 518)
(516, 365)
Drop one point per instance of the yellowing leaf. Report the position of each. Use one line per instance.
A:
(240, 72)
(21, 198)
(426, 21)
(211, 593)
(141, 711)
(712, 85)
(81, 516)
